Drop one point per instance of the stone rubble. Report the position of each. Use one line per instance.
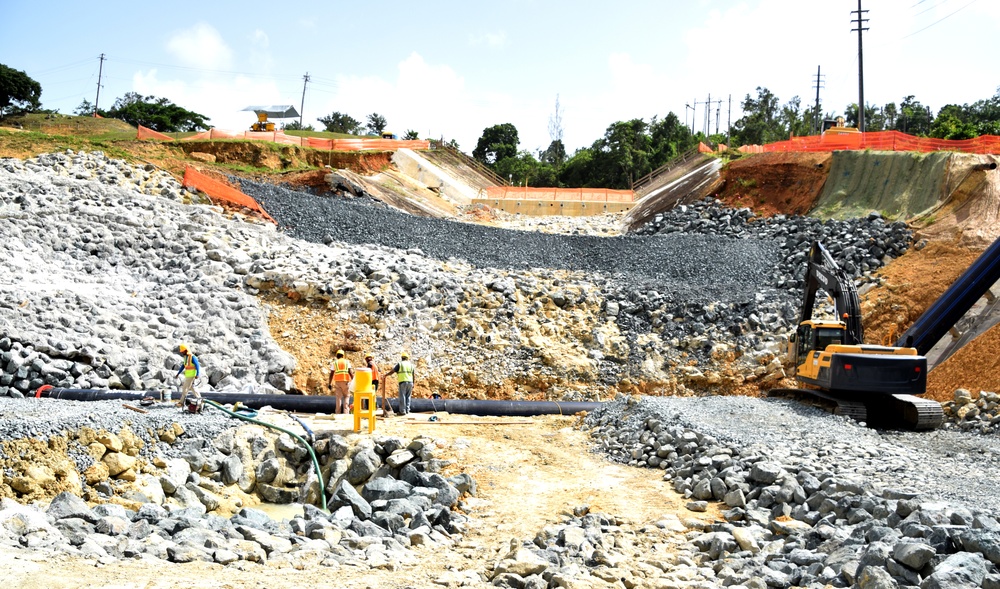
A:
(162, 481)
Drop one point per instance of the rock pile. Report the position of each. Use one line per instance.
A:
(164, 494)
(834, 508)
(861, 245)
(108, 272)
(979, 415)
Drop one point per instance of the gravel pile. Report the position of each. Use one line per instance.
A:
(690, 267)
(817, 500)
(860, 245)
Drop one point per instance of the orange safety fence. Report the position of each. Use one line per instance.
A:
(219, 191)
(145, 133)
(879, 141)
(559, 194)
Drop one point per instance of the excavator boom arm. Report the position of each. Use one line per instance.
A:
(824, 272)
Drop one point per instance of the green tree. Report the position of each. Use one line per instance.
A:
(759, 123)
(872, 120)
(578, 171)
(159, 114)
(914, 118)
(985, 115)
(496, 143)
(86, 109)
(554, 155)
(376, 124)
(411, 135)
(670, 139)
(623, 154)
(952, 123)
(296, 126)
(337, 122)
(19, 91)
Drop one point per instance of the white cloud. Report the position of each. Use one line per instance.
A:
(260, 39)
(220, 99)
(497, 39)
(201, 46)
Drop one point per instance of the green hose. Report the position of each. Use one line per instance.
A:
(312, 454)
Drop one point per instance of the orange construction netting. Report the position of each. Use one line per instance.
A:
(879, 141)
(219, 191)
(563, 194)
(145, 133)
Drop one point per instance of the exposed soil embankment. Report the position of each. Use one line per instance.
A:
(280, 157)
(775, 183)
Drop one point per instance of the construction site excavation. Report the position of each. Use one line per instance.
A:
(752, 370)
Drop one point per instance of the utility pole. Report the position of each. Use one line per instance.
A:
(305, 80)
(816, 117)
(729, 122)
(100, 73)
(691, 107)
(861, 65)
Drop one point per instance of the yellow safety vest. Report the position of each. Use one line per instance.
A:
(189, 370)
(405, 372)
(341, 370)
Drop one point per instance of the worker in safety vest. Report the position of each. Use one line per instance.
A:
(370, 363)
(404, 376)
(191, 370)
(341, 374)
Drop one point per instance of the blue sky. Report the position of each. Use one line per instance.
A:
(451, 69)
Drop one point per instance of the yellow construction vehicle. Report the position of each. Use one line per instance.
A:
(262, 123)
(283, 111)
(871, 383)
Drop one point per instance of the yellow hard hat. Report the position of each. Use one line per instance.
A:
(404, 355)
(183, 348)
(368, 356)
(340, 353)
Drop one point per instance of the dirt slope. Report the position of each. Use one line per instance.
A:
(775, 183)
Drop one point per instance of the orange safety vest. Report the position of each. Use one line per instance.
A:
(189, 368)
(341, 370)
(374, 372)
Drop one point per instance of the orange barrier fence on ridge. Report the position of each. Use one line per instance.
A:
(879, 141)
(145, 133)
(219, 191)
(280, 137)
(561, 194)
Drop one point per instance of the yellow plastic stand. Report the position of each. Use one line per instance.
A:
(364, 399)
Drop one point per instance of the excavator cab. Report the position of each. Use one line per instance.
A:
(812, 336)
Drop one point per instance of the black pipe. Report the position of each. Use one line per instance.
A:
(323, 404)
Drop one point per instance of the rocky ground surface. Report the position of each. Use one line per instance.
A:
(710, 491)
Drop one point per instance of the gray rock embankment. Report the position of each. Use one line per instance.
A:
(810, 500)
(133, 271)
(164, 484)
(107, 271)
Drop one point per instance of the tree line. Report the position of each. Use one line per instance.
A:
(631, 149)
(627, 151)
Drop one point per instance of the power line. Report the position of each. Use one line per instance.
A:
(940, 19)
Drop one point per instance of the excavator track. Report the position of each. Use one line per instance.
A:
(874, 409)
(829, 403)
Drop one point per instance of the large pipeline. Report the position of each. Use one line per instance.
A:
(323, 404)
